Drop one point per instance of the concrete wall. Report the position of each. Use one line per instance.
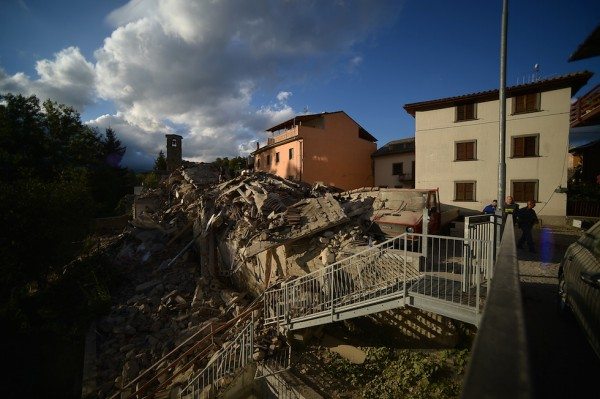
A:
(286, 167)
(334, 154)
(383, 170)
(436, 134)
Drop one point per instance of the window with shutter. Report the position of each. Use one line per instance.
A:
(465, 151)
(525, 146)
(464, 191)
(523, 191)
(465, 112)
(526, 103)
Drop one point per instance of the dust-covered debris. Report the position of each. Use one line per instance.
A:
(196, 254)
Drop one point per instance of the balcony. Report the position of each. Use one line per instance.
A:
(586, 110)
(284, 135)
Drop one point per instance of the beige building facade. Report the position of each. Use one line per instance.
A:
(457, 140)
(394, 164)
(330, 148)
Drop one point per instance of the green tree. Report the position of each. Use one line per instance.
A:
(113, 151)
(160, 164)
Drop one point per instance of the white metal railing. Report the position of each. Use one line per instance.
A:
(454, 270)
(446, 269)
(223, 366)
(485, 228)
(279, 361)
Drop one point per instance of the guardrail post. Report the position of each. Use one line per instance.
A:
(477, 284)
(425, 231)
(251, 336)
(405, 266)
(331, 292)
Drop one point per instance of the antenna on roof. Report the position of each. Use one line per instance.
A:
(536, 70)
(305, 109)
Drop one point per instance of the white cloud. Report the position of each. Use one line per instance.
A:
(283, 95)
(68, 78)
(196, 67)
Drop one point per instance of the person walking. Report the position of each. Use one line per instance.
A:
(526, 218)
(510, 207)
(491, 208)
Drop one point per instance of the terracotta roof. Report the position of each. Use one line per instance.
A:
(303, 118)
(574, 80)
(396, 147)
(589, 48)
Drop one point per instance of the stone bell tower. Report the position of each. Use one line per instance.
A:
(173, 151)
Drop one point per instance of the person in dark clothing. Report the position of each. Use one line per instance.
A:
(526, 218)
(510, 207)
(491, 208)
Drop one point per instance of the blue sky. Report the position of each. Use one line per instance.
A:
(220, 73)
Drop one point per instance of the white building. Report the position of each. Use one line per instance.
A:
(457, 140)
(394, 164)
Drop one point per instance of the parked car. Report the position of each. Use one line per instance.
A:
(579, 284)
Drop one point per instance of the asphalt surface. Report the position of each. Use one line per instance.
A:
(563, 364)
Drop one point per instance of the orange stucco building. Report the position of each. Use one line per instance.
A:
(329, 147)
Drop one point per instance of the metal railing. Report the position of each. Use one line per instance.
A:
(502, 326)
(445, 270)
(485, 228)
(223, 366)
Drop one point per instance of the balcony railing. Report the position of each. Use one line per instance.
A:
(286, 134)
(585, 107)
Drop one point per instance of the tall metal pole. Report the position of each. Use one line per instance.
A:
(502, 98)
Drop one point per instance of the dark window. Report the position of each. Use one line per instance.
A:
(258, 163)
(465, 151)
(526, 103)
(413, 170)
(397, 169)
(464, 191)
(268, 160)
(525, 146)
(523, 191)
(276, 157)
(291, 153)
(465, 112)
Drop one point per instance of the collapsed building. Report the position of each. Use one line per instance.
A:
(200, 251)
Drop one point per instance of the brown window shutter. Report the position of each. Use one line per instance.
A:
(518, 104)
(518, 147)
(470, 111)
(460, 112)
(470, 150)
(530, 146)
(529, 190)
(518, 192)
(460, 151)
(460, 191)
(531, 102)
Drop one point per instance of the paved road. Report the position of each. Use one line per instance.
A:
(563, 364)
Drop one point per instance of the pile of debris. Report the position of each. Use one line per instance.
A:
(191, 236)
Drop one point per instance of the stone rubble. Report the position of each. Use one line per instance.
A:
(248, 232)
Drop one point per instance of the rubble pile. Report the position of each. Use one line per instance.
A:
(190, 235)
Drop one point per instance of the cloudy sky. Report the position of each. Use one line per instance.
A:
(221, 72)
